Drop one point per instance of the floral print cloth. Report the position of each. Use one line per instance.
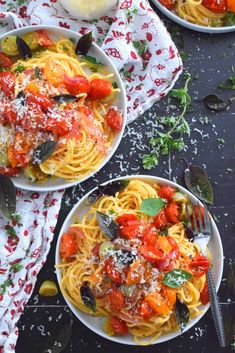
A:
(139, 45)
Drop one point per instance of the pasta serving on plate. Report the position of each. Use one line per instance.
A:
(57, 112)
(130, 260)
(209, 13)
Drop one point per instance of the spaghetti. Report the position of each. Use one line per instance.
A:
(56, 96)
(127, 276)
(209, 13)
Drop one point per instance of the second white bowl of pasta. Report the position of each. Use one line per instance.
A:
(63, 109)
(125, 262)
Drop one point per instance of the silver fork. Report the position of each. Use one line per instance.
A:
(202, 232)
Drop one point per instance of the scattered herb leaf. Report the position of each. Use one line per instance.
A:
(198, 183)
(214, 102)
(108, 189)
(19, 68)
(189, 233)
(181, 314)
(92, 60)
(176, 278)
(84, 44)
(43, 152)
(107, 225)
(152, 206)
(88, 297)
(23, 48)
(7, 196)
(65, 98)
(229, 84)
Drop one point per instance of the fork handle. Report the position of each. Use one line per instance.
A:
(216, 309)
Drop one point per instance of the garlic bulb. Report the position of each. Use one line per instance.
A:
(88, 9)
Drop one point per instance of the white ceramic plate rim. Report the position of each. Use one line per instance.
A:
(174, 17)
(123, 103)
(128, 340)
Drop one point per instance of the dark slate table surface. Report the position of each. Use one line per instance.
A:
(211, 59)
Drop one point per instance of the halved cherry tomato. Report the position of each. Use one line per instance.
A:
(114, 119)
(34, 120)
(231, 5)
(116, 299)
(118, 326)
(168, 261)
(7, 83)
(204, 295)
(114, 275)
(157, 303)
(199, 265)
(150, 253)
(172, 212)
(160, 220)
(129, 226)
(166, 192)
(10, 114)
(100, 89)
(43, 39)
(216, 6)
(68, 246)
(39, 100)
(9, 171)
(150, 235)
(145, 310)
(77, 84)
(169, 4)
(60, 127)
(5, 61)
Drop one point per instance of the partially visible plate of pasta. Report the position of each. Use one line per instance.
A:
(127, 264)
(62, 109)
(211, 16)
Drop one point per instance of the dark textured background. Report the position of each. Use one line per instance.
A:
(210, 59)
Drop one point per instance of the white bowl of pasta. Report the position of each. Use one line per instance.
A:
(118, 281)
(209, 16)
(63, 107)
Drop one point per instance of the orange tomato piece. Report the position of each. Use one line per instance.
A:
(169, 294)
(136, 272)
(54, 72)
(157, 303)
(231, 5)
(32, 87)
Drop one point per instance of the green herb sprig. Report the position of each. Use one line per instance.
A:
(229, 84)
(170, 130)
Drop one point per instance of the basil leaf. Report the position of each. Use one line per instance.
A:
(88, 297)
(176, 278)
(152, 206)
(92, 60)
(65, 98)
(189, 233)
(108, 189)
(43, 152)
(84, 44)
(23, 48)
(107, 225)
(21, 97)
(198, 183)
(214, 102)
(60, 338)
(181, 314)
(7, 196)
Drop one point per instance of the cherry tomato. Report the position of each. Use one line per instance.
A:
(118, 326)
(231, 6)
(43, 39)
(5, 61)
(116, 299)
(199, 265)
(77, 84)
(39, 100)
(160, 220)
(7, 83)
(100, 89)
(10, 114)
(204, 295)
(114, 275)
(150, 253)
(145, 310)
(9, 171)
(114, 119)
(166, 192)
(172, 212)
(150, 236)
(169, 4)
(60, 127)
(34, 120)
(129, 226)
(216, 6)
(68, 246)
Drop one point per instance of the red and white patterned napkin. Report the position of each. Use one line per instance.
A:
(139, 45)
